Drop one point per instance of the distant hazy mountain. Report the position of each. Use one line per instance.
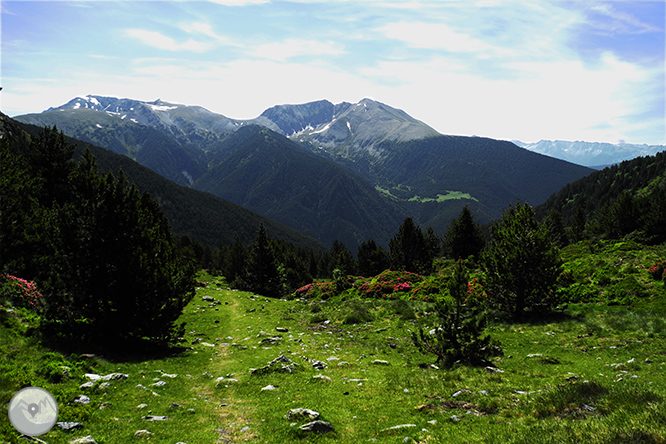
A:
(335, 171)
(592, 154)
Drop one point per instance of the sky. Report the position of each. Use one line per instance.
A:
(514, 70)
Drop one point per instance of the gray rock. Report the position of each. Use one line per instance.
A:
(398, 427)
(494, 370)
(158, 384)
(142, 433)
(141, 406)
(155, 418)
(83, 440)
(87, 385)
(92, 376)
(115, 377)
(318, 426)
(82, 399)
(208, 299)
(321, 377)
(269, 387)
(282, 329)
(301, 413)
(104, 385)
(319, 365)
(69, 426)
(380, 362)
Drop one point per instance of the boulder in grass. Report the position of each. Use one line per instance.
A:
(83, 440)
(318, 426)
(301, 413)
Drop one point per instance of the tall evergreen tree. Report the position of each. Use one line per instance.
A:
(372, 259)
(553, 223)
(342, 259)
(263, 276)
(522, 264)
(464, 237)
(410, 250)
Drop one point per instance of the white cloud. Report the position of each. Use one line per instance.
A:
(161, 41)
(433, 36)
(289, 48)
(239, 2)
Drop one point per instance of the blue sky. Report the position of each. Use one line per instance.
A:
(524, 70)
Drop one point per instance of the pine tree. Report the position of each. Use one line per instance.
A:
(553, 223)
(464, 237)
(459, 335)
(372, 259)
(522, 264)
(263, 276)
(409, 249)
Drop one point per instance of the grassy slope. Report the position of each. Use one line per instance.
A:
(610, 358)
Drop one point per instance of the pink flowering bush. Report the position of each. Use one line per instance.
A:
(323, 290)
(657, 271)
(388, 285)
(21, 292)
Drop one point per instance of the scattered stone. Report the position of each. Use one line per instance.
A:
(141, 406)
(82, 399)
(343, 364)
(282, 329)
(321, 377)
(83, 440)
(399, 427)
(490, 369)
(269, 387)
(104, 385)
(432, 422)
(535, 355)
(380, 362)
(244, 429)
(175, 406)
(208, 299)
(207, 344)
(455, 418)
(115, 377)
(460, 392)
(648, 361)
(69, 426)
(301, 413)
(318, 426)
(142, 433)
(158, 384)
(86, 385)
(272, 340)
(155, 418)
(332, 358)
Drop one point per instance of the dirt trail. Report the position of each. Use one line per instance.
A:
(232, 414)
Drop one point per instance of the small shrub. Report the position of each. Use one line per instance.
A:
(656, 271)
(358, 314)
(22, 293)
(459, 336)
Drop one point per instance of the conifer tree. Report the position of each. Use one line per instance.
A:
(372, 259)
(464, 237)
(522, 264)
(409, 249)
(458, 336)
(263, 276)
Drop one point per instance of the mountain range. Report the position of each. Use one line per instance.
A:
(595, 155)
(347, 172)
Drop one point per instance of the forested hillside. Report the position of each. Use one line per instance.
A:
(616, 201)
(209, 219)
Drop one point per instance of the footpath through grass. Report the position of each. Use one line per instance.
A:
(594, 374)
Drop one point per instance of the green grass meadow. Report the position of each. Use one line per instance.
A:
(592, 373)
